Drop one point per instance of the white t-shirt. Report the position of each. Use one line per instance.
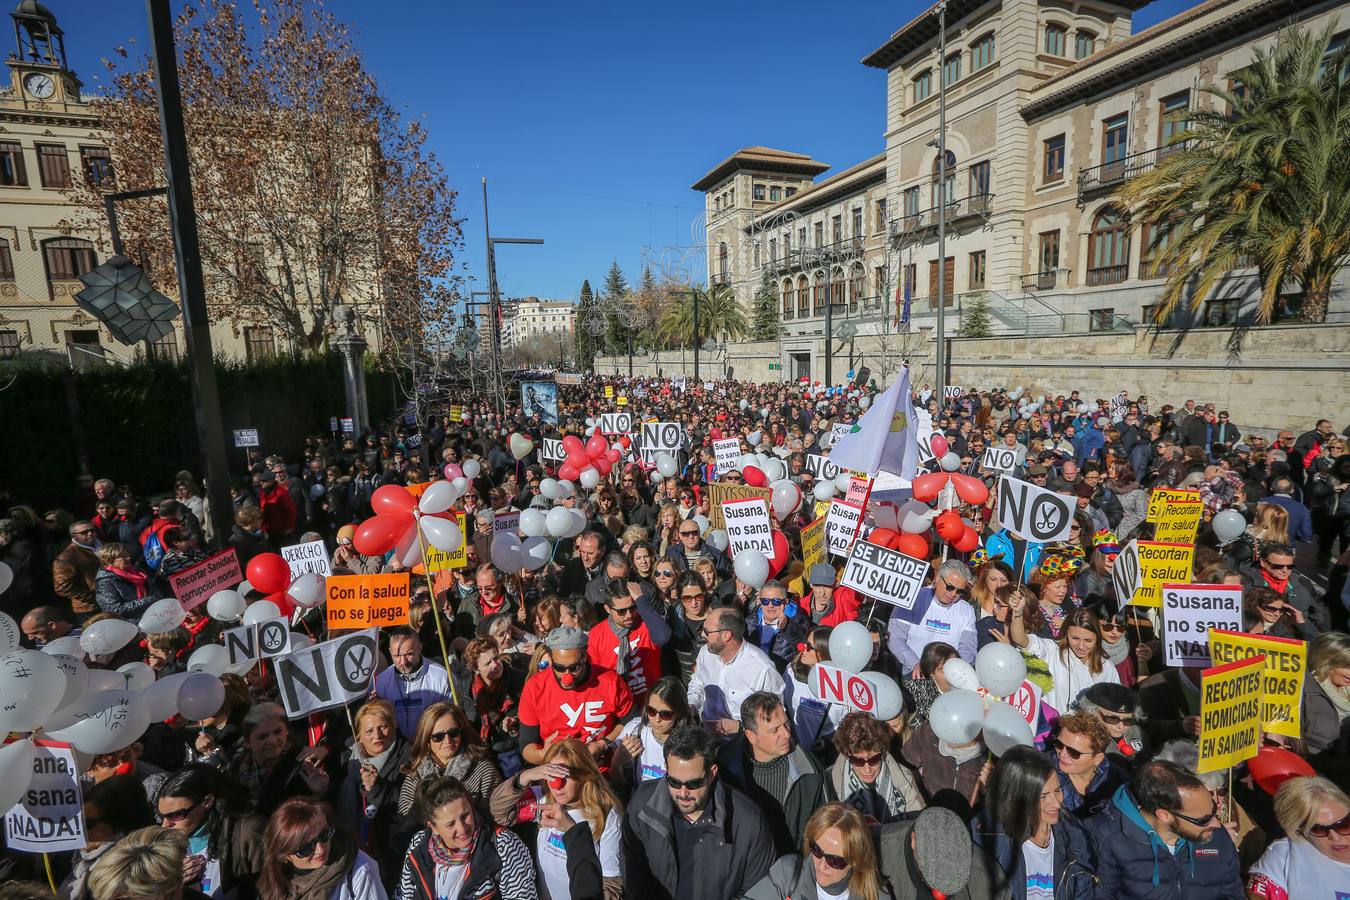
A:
(552, 854)
(449, 881)
(1297, 871)
(941, 623)
(651, 765)
(1039, 863)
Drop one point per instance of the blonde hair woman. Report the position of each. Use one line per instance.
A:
(1313, 859)
(1270, 525)
(145, 865)
(1326, 697)
(837, 857)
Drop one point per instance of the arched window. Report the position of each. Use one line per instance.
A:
(946, 181)
(803, 297)
(1084, 42)
(787, 298)
(855, 288)
(818, 294)
(1055, 37)
(67, 258)
(1108, 248)
(837, 296)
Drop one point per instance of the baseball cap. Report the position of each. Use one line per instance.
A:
(821, 574)
(565, 637)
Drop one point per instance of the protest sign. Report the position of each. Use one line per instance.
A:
(926, 454)
(1033, 513)
(857, 491)
(413, 441)
(820, 467)
(506, 521)
(1161, 563)
(953, 392)
(728, 453)
(359, 601)
(348, 426)
(661, 437)
(840, 687)
(1118, 404)
(550, 449)
(1230, 714)
(609, 392)
(456, 413)
(49, 816)
(306, 558)
(999, 459)
(246, 437)
(262, 640)
(1189, 611)
(813, 545)
(616, 422)
(720, 492)
(569, 378)
(193, 585)
(839, 430)
(333, 424)
(747, 524)
(841, 524)
(327, 675)
(884, 574)
(1027, 701)
(1125, 574)
(1282, 681)
(439, 560)
(1175, 514)
(621, 400)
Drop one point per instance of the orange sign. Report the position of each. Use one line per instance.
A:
(363, 601)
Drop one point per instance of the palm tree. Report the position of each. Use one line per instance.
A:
(718, 314)
(1264, 181)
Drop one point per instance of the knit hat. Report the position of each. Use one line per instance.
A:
(1106, 542)
(942, 850)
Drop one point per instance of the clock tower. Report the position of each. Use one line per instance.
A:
(39, 76)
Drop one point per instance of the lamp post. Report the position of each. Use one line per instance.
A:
(495, 301)
(941, 357)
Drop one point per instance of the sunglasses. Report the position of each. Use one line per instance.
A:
(865, 761)
(1278, 566)
(1271, 607)
(1203, 820)
(684, 533)
(772, 601)
(452, 734)
(178, 815)
(1340, 826)
(665, 715)
(1074, 752)
(1113, 626)
(692, 784)
(623, 610)
(573, 669)
(733, 479)
(838, 863)
(307, 849)
(664, 573)
(1111, 719)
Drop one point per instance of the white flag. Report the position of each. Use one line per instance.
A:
(885, 439)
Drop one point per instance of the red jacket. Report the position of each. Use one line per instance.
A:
(278, 510)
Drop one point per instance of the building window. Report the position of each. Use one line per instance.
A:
(773, 250)
(948, 282)
(1147, 314)
(1219, 313)
(722, 259)
(9, 344)
(757, 192)
(1108, 248)
(1172, 119)
(803, 297)
(911, 278)
(1101, 319)
(855, 288)
(776, 194)
(164, 349)
(717, 203)
(788, 192)
(1153, 241)
(1054, 39)
(1115, 138)
(1049, 260)
(1053, 156)
(923, 85)
(951, 70)
(878, 286)
(977, 271)
(979, 179)
(6, 261)
(787, 300)
(857, 222)
(53, 165)
(67, 258)
(818, 295)
(911, 198)
(801, 237)
(982, 52)
(787, 245)
(97, 164)
(820, 233)
(259, 343)
(881, 214)
(1084, 42)
(837, 229)
(12, 171)
(942, 186)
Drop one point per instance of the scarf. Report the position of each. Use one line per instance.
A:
(884, 789)
(621, 665)
(1278, 587)
(493, 704)
(136, 578)
(318, 884)
(442, 855)
(962, 755)
(1339, 697)
(84, 864)
(490, 610)
(1118, 652)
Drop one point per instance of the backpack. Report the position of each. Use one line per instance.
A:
(153, 552)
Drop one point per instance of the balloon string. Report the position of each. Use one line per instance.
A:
(47, 864)
(435, 609)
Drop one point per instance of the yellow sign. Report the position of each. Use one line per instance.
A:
(609, 392)
(720, 492)
(457, 413)
(1176, 514)
(440, 561)
(1161, 563)
(813, 545)
(1282, 683)
(822, 508)
(360, 601)
(1230, 714)
(622, 400)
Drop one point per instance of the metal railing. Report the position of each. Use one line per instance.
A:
(1045, 281)
(1107, 275)
(1121, 170)
(953, 211)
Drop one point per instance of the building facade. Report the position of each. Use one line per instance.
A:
(1050, 106)
(531, 317)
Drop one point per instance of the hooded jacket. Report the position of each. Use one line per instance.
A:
(1133, 863)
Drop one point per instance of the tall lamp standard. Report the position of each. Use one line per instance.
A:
(495, 301)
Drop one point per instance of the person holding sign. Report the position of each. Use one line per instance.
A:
(1076, 660)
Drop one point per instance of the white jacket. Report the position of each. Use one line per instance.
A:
(1071, 674)
(361, 883)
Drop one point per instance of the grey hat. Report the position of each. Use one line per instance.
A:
(821, 574)
(565, 637)
(942, 850)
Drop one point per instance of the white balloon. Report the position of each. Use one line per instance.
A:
(889, 701)
(747, 459)
(106, 680)
(261, 611)
(460, 485)
(957, 716)
(107, 721)
(915, 517)
(162, 696)
(533, 522)
(437, 498)
(77, 678)
(107, 636)
(16, 771)
(520, 445)
(244, 588)
(1004, 728)
(6, 577)
(579, 523)
(470, 468)
(719, 539)
(745, 404)
(702, 522)
(565, 489)
(65, 646)
(850, 646)
(200, 696)
(961, 674)
(843, 480)
(442, 534)
(535, 551)
(1001, 668)
(558, 521)
(10, 635)
(665, 464)
(138, 676)
(590, 477)
(162, 615)
(752, 567)
(226, 606)
(1228, 525)
(506, 553)
(864, 402)
(549, 488)
(212, 659)
(785, 498)
(823, 490)
(655, 477)
(763, 412)
(754, 437)
(307, 590)
(950, 462)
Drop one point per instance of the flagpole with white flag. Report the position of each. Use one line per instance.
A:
(886, 438)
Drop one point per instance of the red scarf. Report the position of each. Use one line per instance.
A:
(136, 578)
(1278, 587)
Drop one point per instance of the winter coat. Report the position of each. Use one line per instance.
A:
(866, 802)
(1326, 738)
(806, 790)
(937, 771)
(500, 868)
(719, 559)
(1298, 593)
(370, 815)
(73, 575)
(793, 878)
(1074, 860)
(116, 595)
(782, 648)
(900, 872)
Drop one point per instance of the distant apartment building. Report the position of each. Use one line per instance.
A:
(531, 317)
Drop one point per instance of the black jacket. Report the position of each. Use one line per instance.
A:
(500, 868)
(1074, 862)
(806, 791)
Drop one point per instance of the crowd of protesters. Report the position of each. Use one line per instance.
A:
(633, 720)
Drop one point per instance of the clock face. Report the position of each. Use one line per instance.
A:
(39, 85)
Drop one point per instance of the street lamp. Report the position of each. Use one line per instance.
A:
(495, 299)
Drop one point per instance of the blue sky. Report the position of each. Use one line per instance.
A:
(591, 119)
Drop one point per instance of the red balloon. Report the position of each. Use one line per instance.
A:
(970, 489)
(374, 537)
(938, 444)
(612, 455)
(283, 601)
(393, 498)
(780, 553)
(568, 472)
(597, 446)
(572, 443)
(885, 537)
(1273, 766)
(626, 441)
(912, 545)
(603, 465)
(967, 540)
(927, 487)
(755, 477)
(269, 573)
(579, 459)
(948, 525)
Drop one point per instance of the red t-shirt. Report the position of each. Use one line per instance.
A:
(585, 713)
(644, 657)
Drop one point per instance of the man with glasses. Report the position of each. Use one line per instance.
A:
(940, 614)
(778, 626)
(727, 671)
(1160, 838)
(1276, 571)
(630, 638)
(572, 700)
(75, 568)
(689, 836)
(693, 547)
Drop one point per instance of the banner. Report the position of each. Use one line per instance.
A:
(327, 675)
(550, 450)
(456, 413)
(728, 453)
(306, 558)
(540, 398)
(49, 817)
(720, 492)
(1189, 611)
(440, 561)
(747, 524)
(820, 467)
(1282, 681)
(999, 459)
(841, 524)
(884, 574)
(1175, 514)
(813, 547)
(616, 422)
(262, 640)
(193, 585)
(568, 378)
(1230, 714)
(1161, 563)
(661, 437)
(840, 687)
(359, 601)
(1033, 513)
(246, 437)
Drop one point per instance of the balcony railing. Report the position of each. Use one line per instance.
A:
(954, 211)
(1042, 281)
(810, 257)
(1118, 171)
(1107, 275)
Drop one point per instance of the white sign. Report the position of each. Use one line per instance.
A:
(1034, 513)
(999, 459)
(1189, 611)
(246, 437)
(884, 574)
(952, 392)
(841, 687)
(306, 558)
(820, 467)
(616, 422)
(333, 423)
(348, 426)
(506, 521)
(262, 640)
(841, 524)
(658, 438)
(325, 676)
(1118, 404)
(747, 524)
(839, 430)
(1125, 576)
(1027, 701)
(728, 452)
(413, 441)
(49, 816)
(551, 449)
